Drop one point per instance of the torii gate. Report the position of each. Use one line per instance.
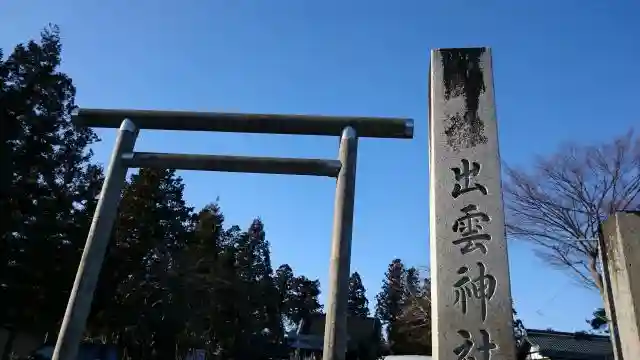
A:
(123, 157)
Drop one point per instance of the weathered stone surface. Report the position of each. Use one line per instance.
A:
(620, 245)
(471, 294)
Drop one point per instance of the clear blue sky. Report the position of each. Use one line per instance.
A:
(564, 70)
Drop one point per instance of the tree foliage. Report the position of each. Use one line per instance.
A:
(138, 281)
(519, 330)
(404, 307)
(47, 185)
(560, 201)
(599, 321)
(357, 305)
(303, 299)
(173, 279)
(414, 322)
(389, 300)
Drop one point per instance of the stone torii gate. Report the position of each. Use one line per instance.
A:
(124, 157)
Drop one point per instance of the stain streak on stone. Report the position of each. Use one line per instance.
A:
(462, 76)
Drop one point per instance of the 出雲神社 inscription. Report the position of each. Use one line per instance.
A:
(471, 296)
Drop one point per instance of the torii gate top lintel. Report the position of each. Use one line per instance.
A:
(374, 127)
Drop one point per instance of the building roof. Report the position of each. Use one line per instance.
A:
(570, 346)
(358, 328)
(307, 342)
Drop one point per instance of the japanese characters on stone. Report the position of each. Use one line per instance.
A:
(470, 347)
(474, 283)
(466, 174)
(480, 288)
(470, 228)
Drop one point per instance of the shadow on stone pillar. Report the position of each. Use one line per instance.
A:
(620, 255)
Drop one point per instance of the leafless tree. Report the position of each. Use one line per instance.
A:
(559, 203)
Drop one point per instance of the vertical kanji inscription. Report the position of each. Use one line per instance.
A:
(469, 350)
(468, 246)
(465, 177)
(471, 230)
(481, 288)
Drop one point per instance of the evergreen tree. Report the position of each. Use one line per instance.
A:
(284, 280)
(413, 325)
(46, 183)
(204, 280)
(170, 279)
(298, 295)
(403, 306)
(303, 299)
(389, 300)
(260, 293)
(231, 296)
(519, 331)
(139, 281)
(358, 305)
(599, 320)
(411, 282)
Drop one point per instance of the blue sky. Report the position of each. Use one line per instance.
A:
(564, 70)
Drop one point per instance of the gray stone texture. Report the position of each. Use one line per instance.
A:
(620, 244)
(473, 319)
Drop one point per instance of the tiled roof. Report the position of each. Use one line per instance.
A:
(570, 346)
(357, 327)
(358, 330)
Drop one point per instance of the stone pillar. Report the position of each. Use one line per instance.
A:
(471, 294)
(620, 247)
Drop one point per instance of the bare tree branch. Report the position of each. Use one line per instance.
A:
(559, 203)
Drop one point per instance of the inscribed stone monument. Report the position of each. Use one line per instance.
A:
(620, 254)
(471, 295)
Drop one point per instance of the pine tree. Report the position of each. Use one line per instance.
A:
(204, 279)
(256, 275)
(288, 288)
(284, 280)
(389, 300)
(413, 326)
(139, 278)
(45, 184)
(303, 299)
(358, 305)
(401, 306)
(213, 286)
(411, 282)
(298, 295)
(598, 322)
